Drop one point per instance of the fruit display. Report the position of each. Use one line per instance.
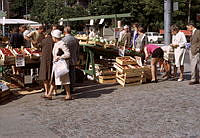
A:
(19, 51)
(6, 56)
(6, 52)
(32, 51)
(82, 37)
(100, 41)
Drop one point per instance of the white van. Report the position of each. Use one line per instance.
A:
(154, 37)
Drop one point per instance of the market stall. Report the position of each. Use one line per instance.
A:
(25, 60)
(101, 62)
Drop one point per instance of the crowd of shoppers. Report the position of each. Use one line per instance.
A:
(56, 45)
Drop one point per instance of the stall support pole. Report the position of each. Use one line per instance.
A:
(90, 61)
(3, 29)
(167, 21)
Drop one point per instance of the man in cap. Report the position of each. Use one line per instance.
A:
(125, 37)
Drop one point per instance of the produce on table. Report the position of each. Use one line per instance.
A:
(6, 52)
(19, 51)
(32, 51)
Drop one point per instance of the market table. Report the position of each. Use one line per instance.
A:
(92, 50)
(26, 60)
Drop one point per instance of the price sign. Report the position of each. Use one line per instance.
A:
(19, 61)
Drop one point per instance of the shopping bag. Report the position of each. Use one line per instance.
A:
(60, 68)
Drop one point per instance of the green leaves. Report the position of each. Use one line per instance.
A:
(149, 13)
(50, 11)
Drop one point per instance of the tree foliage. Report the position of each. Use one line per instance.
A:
(19, 8)
(149, 13)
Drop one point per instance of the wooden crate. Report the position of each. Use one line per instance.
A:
(7, 60)
(106, 72)
(99, 44)
(147, 72)
(83, 42)
(107, 77)
(107, 81)
(126, 60)
(129, 74)
(81, 38)
(109, 46)
(91, 42)
(129, 78)
(121, 82)
(128, 68)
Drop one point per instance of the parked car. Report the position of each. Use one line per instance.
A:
(154, 37)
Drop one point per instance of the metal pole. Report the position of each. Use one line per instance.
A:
(2, 4)
(26, 9)
(167, 21)
(189, 11)
(3, 27)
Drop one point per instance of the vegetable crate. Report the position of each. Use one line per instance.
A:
(126, 60)
(128, 71)
(107, 76)
(130, 78)
(107, 79)
(6, 56)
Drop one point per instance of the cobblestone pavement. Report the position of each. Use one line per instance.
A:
(166, 109)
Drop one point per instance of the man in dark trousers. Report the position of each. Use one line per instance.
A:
(73, 45)
(195, 53)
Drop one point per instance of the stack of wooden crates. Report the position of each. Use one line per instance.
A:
(105, 74)
(128, 72)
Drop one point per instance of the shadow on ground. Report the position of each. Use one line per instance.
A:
(11, 97)
(93, 94)
(90, 89)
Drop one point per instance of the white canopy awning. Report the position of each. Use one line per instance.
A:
(17, 21)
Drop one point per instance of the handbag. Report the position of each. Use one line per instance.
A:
(61, 68)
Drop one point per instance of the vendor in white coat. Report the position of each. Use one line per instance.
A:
(60, 51)
(178, 43)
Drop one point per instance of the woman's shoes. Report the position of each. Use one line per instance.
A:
(180, 79)
(44, 96)
(47, 97)
(154, 81)
(68, 98)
